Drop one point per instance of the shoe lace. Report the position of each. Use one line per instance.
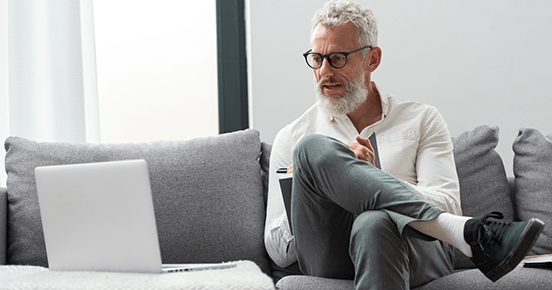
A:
(491, 231)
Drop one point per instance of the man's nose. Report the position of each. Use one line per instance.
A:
(326, 69)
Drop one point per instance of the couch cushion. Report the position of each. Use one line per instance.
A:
(295, 282)
(3, 224)
(264, 160)
(533, 172)
(520, 278)
(483, 182)
(208, 195)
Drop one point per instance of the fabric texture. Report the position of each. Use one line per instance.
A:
(246, 275)
(519, 279)
(264, 160)
(310, 283)
(3, 224)
(533, 173)
(207, 193)
(483, 183)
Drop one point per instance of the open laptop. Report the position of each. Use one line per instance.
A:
(100, 217)
(286, 180)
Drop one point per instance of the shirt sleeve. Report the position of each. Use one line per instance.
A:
(279, 241)
(435, 166)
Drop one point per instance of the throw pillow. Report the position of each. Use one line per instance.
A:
(207, 192)
(533, 172)
(483, 182)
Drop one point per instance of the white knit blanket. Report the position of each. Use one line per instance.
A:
(246, 275)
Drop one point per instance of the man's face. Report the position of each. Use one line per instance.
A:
(339, 90)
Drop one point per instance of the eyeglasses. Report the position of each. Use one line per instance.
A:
(336, 59)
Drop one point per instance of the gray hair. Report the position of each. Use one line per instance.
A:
(335, 13)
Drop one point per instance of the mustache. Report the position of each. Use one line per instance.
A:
(327, 81)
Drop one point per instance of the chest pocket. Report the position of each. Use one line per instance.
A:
(398, 154)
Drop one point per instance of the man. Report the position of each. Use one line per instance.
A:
(391, 228)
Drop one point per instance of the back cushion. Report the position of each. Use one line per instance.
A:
(533, 172)
(483, 183)
(207, 192)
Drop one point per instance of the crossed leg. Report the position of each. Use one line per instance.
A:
(349, 218)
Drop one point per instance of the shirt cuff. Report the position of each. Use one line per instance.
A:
(280, 243)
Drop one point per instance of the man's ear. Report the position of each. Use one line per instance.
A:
(373, 59)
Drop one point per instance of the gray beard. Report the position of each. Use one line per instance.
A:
(336, 106)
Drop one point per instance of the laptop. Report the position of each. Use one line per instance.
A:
(100, 217)
(286, 180)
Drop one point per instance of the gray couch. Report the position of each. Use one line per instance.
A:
(210, 196)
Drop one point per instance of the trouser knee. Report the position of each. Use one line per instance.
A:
(315, 151)
(376, 230)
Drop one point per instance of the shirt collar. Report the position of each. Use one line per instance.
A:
(384, 96)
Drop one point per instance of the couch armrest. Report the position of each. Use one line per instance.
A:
(3, 224)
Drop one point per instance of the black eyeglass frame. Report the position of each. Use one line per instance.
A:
(327, 56)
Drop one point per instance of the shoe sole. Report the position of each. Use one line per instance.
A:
(524, 244)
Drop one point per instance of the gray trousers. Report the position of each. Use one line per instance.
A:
(349, 221)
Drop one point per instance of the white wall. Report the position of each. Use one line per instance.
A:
(4, 88)
(478, 62)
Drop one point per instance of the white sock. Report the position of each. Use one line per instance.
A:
(448, 228)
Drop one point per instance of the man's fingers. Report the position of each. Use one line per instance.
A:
(361, 140)
(290, 169)
(364, 142)
(363, 149)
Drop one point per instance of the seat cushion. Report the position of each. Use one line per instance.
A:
(519, 279)
(298, 282)
(207, 192)
(533, 173)
(246, 275)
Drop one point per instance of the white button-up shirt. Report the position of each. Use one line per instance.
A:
(414, 145)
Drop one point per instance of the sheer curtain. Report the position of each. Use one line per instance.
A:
(157, 69)
(48, 88)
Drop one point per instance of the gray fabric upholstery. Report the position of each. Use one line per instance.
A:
(246, 275)
(483, 183)
(264, 160)
(512, 184)
(207, 192)
(533, 172)
(3, 224)
(519, 279)
(310, 283)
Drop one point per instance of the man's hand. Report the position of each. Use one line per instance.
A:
(290, 169)
(363, 149)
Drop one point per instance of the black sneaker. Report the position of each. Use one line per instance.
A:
(498, 247)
